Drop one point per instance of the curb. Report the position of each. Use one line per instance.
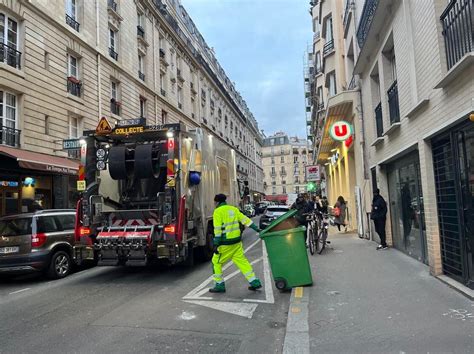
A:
(297, 327)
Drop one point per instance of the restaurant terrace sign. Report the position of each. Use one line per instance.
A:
(340, 131)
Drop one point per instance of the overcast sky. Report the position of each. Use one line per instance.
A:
(260, 44)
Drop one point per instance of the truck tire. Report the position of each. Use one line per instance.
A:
(117, 162)
(146, 161)
(206, 252)
(60, 265)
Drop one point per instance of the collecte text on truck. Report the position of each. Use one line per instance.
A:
(148, 192)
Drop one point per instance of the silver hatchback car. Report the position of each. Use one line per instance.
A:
(41, 241)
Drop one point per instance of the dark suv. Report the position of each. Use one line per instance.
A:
(40, 241)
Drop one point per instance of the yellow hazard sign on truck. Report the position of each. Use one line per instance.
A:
(103, 127)
(81, 186)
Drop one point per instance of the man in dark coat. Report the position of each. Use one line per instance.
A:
(379, 216)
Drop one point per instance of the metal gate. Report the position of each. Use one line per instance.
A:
(446, 177)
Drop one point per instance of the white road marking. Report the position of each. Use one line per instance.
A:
(200, 287)
(270, 299)
(20, 291)
(187, 316)
(235, 308)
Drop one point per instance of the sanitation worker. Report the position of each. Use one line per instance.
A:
(228, 244)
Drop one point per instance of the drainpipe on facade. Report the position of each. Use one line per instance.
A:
(99, 83)
(155, 96)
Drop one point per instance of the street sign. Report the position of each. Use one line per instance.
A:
(312, 173)
(71, 144)
(103, 127)
(81, 186)
(340, 131)
(130, 122)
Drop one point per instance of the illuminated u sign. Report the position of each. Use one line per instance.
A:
(340, 131)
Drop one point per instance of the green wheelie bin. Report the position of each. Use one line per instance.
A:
(287, 255)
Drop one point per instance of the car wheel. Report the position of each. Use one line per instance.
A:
(60, 266)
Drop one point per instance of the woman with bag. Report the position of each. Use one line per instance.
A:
(339, 212)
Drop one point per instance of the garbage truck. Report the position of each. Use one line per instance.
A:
(147, 192)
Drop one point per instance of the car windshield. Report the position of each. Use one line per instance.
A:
(15, 227)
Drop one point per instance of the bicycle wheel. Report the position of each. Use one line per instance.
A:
(310, 239)
(322, 240)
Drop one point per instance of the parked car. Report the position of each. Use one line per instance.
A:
(41, 241)
(249, 210)
(273, 212)
(261, 207)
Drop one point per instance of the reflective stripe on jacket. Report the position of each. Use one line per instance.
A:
(227, 220)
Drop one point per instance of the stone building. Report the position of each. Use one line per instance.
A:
(412, 64)
(66, 63)
(284, 162)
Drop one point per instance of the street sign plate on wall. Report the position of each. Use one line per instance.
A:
(312, 173)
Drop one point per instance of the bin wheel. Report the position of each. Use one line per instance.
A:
(280, 284)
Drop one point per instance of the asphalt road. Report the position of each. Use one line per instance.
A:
(120, 309)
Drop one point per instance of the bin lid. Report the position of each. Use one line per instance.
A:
(275, 222)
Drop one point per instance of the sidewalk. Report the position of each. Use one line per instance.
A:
(365, 300)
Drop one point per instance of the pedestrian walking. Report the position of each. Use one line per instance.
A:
(228, 244)
(339, 212)
(379, 216)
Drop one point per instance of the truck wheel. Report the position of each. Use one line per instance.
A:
(147, 161)
(117, 162)
(60, 265)
(206, 252)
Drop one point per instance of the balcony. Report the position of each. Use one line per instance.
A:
(162, 54)
(10, 55)
(379, 120)
(352, 84)
(321, 107)
(115, 106)
(366, 20)
(393, 105)
(74, 86)
(273, 174)
(111, 4)
(347, 16)
(163, 92)
(10, 136)
(179, 74)
(283, 173)
(193, 88)
(140, 32)
(458, 30)
(180, 105)
(72, 22)
(328, 48)
(141, 75)
(113, 53)
(316, 36)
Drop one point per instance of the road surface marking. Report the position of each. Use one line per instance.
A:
(299, 292)
(270, 299)
(19, 291)
(297, 325)
(295, 309)
(235, 308)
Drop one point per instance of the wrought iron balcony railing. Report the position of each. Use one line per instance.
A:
(112, 5)
(141, 75)
(72, 22)
(140, 31)
(162, 53)
(113, 53)
(10, 55)
(74, 86)
(115, 106)
(458, 30)
(366, 19)
(393, 104)
(379, 120)
(328, 47)
(10, 136)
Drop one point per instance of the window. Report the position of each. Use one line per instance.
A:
(141, 67)
(71, 9)
(140, 21)
(164, 117)
(180, 97)
(273, 190)
(142, 107)
(46, 125)
(114, 98)
(295, 159)
(67, 222)
(113, 44)
(282, 141)
(329, 35)
(8, 112)
(284, 189)
(318, 62)
(73, 127)
(332, 84)
(297, 189)
(282, 159)
(72, 66)
(273, 170)
(9, 41)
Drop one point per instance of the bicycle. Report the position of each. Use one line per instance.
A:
(323, 232)
(312, 232)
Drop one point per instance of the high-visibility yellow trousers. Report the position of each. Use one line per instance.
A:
(236, 254)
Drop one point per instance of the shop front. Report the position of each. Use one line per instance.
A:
(406, 206)
(31, 181)
(453, 158)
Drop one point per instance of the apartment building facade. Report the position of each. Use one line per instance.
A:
(284, 162)
(413, 67)
(66, 63)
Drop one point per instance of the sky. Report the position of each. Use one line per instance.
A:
(260, 44)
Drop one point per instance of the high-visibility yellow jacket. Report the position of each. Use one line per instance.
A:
(227, 220)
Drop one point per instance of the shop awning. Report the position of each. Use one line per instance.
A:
(41, 162)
